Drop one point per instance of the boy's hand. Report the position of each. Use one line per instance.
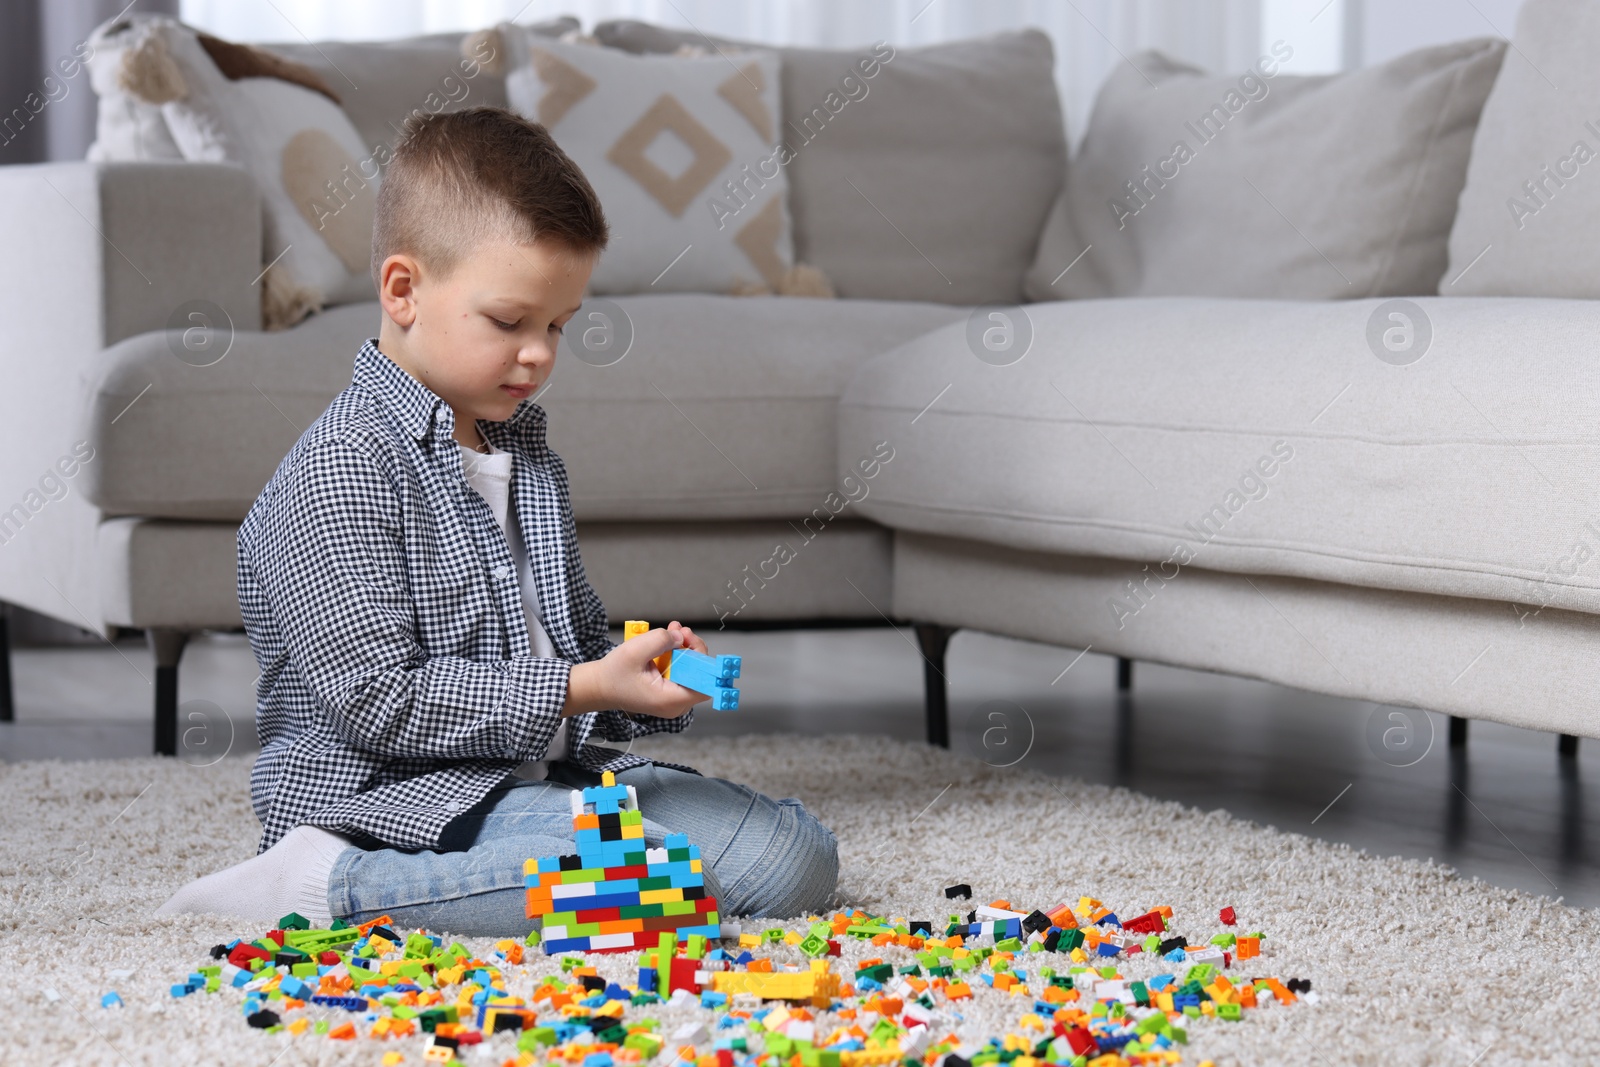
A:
(691, 640)
(626, 679)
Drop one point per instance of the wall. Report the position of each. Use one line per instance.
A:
(1394, 27)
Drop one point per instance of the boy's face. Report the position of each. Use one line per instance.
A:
(484, 336)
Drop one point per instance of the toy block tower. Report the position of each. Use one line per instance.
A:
(616, 895)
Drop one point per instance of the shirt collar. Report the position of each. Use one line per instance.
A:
(413, 404)
(421, 412)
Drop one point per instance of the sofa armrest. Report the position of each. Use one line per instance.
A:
(109, 250)
(97, 253)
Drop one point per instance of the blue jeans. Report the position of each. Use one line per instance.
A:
(761, 856)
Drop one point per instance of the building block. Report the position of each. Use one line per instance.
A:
(818, 985)
(637, 627)
(712, 675)
(617, 895)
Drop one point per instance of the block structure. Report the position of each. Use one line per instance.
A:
(712, 675)
(616, 895)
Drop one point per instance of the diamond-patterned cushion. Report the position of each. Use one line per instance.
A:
(681, 151)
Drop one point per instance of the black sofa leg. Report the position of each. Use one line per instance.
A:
(167, 645)
(1567, 746)
(1458, 732)
(8, 707)
(1124, 674)
(934, 639)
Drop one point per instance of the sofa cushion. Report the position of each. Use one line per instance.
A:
(1259, 437)
(280, 122)
(382, 82)
(938, 188)
(1262, 184)
(709, 215)
(723, 407)
(1531, 206)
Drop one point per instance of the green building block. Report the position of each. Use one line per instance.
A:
(666, 947)
(867, 930)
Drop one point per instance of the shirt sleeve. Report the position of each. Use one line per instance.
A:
(332, 563)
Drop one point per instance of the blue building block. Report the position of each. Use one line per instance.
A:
(712, 675)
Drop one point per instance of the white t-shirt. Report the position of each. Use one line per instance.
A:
(490, 476)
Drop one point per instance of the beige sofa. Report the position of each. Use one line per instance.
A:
(866, 459)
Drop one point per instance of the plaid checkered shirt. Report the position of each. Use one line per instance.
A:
(381, 600)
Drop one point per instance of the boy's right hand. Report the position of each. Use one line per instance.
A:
(626, 679)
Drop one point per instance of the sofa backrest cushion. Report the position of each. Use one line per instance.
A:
(383, 82)
(710, 214)
(1266, 185)
(1531, 207)
(914, 173)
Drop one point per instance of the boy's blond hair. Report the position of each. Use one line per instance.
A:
(462, 178)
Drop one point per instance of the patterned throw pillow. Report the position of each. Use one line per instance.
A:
(682, 151)
(279, 120)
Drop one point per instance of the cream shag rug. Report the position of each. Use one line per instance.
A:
(1411, 963)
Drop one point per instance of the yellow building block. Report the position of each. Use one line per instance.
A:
(660, 896)
(817, 986)
(635, 628)
(869, 1057)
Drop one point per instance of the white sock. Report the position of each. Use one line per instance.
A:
(292, 875)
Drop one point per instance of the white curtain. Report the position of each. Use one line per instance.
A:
(1091, 36)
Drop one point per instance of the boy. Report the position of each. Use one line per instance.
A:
(435, 668)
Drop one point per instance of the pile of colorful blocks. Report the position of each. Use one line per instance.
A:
(615, 894)
(853, 990)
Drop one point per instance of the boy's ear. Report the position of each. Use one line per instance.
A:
(397, 288)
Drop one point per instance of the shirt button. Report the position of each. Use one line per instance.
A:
(502, 572)
(454, 805)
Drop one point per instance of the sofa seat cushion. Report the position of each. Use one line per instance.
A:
(723, 407)
(1261, 437)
